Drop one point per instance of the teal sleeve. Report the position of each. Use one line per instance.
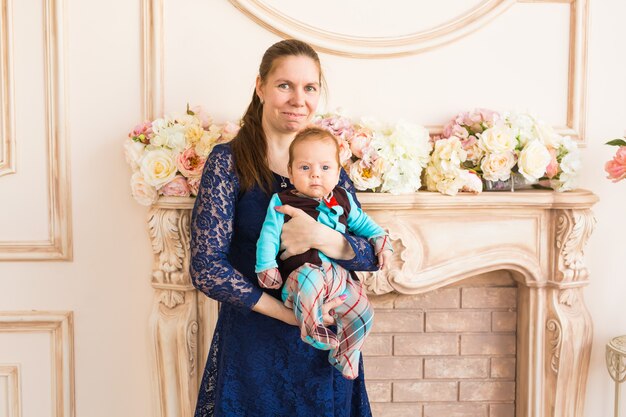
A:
(268, 245)
(360, 223)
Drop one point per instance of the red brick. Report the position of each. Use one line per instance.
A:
(378, 392)
(393, 367)
(486, 391)
(442, 298)
(504, 321)
(455, 410)
(456, 367)
(425, 391)
(487, 344)
(426, 344)
(502, 410)
(458, 321)
(396, 410)
(398, 321)
(503, 368)
(378, 345)
(489, 297)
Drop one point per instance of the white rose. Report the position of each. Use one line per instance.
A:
(497, 166)
(144, 193)
(174, 137)
(133, 152)
(160, 124)
(533, 160)
(158, 166)
(402, 177)
(498, 139)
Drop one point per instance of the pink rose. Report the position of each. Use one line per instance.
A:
(344, 151)
(142, 133)
(194, 184)
(616, 168)
(360, 140)
(178, 187)
(189, 163)
(229, 131)
(553, 167)
(202, 115)
(341, 127)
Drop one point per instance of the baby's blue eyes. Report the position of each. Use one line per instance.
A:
(325, 167)
(305, 168)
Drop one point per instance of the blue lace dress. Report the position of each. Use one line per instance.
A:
(257, 365)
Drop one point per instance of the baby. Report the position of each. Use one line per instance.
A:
(313, 278)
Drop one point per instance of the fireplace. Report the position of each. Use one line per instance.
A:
(481, 313)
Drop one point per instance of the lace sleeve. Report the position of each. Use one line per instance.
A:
(211, 233)
(365, 260)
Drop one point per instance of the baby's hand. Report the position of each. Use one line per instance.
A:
(270, 278)
(384, 257)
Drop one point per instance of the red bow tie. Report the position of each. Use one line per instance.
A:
(331, 202)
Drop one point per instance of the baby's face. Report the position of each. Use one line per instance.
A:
(314, 170)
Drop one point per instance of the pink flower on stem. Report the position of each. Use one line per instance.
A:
(189, 163)
(142, 133)
(341, 127)
(616, 167)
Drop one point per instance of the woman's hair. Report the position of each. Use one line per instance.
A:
(313, 133)
(250, 145)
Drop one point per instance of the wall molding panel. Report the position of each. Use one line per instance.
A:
(11, 395)
(58, 246)
(7, 138)
(60, 327)
(452, 30)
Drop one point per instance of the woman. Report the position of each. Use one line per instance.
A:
(257, 364)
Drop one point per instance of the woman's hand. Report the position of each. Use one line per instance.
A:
(298, 234)
(328, 309)
(303, 232)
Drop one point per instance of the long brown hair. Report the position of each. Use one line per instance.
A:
(250, 145)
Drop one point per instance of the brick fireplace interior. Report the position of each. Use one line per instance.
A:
(450, 352)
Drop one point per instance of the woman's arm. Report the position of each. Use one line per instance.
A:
(211, 233)
(302, 233)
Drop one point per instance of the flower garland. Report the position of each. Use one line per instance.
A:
(489, 146)
(167, 155)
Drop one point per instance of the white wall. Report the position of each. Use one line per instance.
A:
(212, 54)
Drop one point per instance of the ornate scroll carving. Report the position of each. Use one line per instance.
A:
(555, 343)
(573, 228)
(174, 318)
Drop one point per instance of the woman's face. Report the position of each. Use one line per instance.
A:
(291, 93)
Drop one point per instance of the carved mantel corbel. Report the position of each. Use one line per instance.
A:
(539, 236)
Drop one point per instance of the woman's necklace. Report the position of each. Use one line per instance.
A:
(283, 183)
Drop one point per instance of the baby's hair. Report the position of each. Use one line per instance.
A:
(313, 133)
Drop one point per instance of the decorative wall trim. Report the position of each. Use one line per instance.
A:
(153, 58)
(12, 395)
(413, 43)
(60, 327)
(460, 26)
(58, 246)
(7, 138)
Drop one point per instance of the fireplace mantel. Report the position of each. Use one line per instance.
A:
(539, 236)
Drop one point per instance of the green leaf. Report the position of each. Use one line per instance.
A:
(616, 142)
(189, 112)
